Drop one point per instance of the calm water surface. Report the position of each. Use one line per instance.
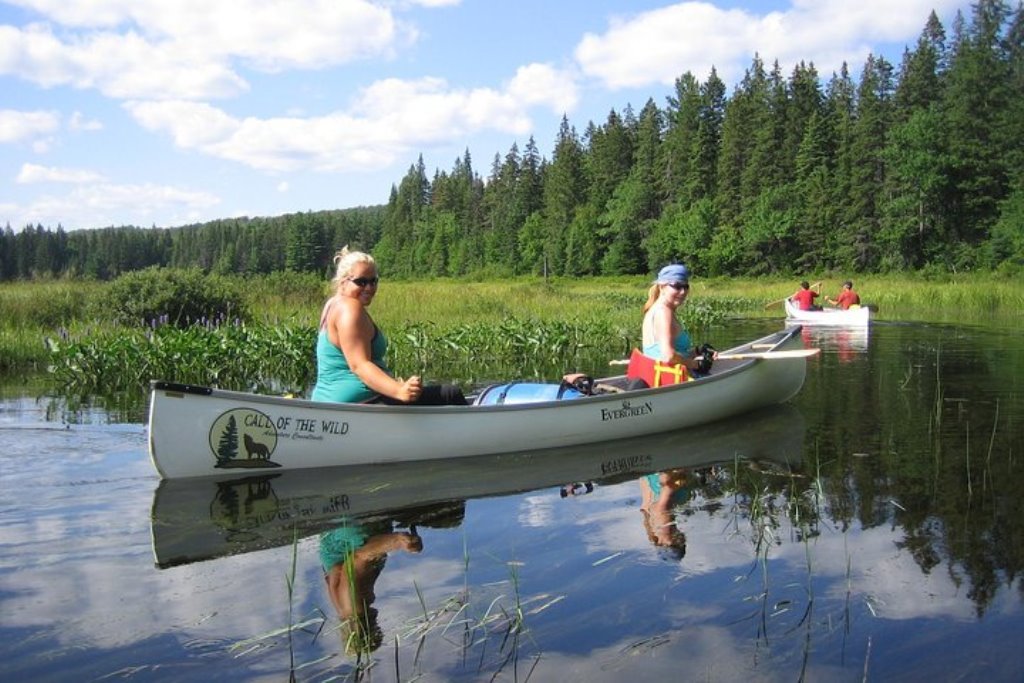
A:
(873, 529)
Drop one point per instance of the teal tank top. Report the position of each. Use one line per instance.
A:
(678, 496)
(335, 381)
(681, 344)
(337, 544)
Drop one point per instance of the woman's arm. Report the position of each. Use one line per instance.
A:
(354, 333)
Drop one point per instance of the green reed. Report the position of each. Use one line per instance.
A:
(278, 356)
(255, 358)
(469, 332)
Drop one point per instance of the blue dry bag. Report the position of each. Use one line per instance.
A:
(525, 392)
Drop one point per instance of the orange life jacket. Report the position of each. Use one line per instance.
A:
(654, 372)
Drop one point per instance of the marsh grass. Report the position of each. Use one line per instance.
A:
(533, 330)
(903, 297)
(446, 330)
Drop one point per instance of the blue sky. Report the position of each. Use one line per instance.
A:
(169, 112)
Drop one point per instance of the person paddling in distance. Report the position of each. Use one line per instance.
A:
(664, 338)
(806, 295)
(350, 348)
(846, 298)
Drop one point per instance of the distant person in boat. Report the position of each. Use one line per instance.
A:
(660, 492)
(805, 296)
(350, 348)
(846, 298)
(664, 338)
(353, 557)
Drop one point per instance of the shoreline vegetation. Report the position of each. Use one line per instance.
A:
(76, 332)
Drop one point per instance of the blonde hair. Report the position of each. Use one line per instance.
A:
(652, 296)
(343, 262)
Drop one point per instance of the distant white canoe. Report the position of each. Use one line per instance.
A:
(829, 316)
(205, 518)
(199, 431)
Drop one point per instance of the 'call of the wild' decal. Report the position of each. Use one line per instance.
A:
(243, 438)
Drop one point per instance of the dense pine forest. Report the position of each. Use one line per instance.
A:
(908, 168)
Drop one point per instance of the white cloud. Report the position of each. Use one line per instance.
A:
(435, 3)
(119, 66)
(18, 126)
(543, 84)
(387, 121)
(660, 45)
(78, 122)
(282, 186)
(102, 204)
(34, 173)
(191, 48)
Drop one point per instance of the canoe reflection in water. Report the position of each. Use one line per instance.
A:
(364, 516)
(204, 518)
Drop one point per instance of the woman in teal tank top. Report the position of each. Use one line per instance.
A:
(350, 349)
(664, 338)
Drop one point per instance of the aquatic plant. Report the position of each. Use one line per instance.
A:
(279, 357)
(234, 356)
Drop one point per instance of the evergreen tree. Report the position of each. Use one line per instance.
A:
(502, 219)
(609, 159)
(804, 103)
(680, 152)
(817, 215)
(1011, 127)
(840, 107)
(743, 114)
(867, 165)
(921, 72)
(564, 192)
(976, 101)
(912, 233)
(8, 262)
(406, 206)
(636, 203)
(703, 172)
(304, 247)
(767, 104)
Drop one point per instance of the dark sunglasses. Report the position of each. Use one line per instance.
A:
(361, 282)
(685, 286)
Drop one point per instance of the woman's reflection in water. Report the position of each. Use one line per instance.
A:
(353, 556)
(661, 491)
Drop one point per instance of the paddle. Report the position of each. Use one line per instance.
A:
(751, 355)
(770, 355)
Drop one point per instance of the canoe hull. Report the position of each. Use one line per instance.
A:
(852, 317)
(198, 431)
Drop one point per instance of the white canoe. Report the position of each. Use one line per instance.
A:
(829, 316)
(199, 431)
(205, 518)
